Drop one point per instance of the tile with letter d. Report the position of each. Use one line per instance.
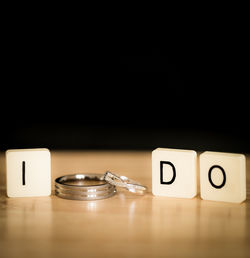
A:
(223, 176)
(174, 173)
(28, 172)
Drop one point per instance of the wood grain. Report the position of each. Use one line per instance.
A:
(121, 226)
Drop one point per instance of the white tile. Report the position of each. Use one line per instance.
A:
(28, 172)
(174, 173)
(223, 176)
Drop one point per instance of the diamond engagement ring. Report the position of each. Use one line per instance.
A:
(123, 181)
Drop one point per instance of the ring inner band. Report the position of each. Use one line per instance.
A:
(81, 180)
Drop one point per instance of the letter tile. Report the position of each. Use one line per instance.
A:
(223, 176)
(28, 172)
(174, 173)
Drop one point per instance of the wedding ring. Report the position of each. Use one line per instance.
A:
(123, 181)
(83, 187)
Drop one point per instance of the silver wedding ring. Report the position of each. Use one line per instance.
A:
(83, 187)
(94, 186)
(123, 181)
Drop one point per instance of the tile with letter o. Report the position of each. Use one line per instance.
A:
(28, 172)
(223, 176)
(174, 173)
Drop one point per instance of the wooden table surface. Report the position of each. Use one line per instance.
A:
(123, 225)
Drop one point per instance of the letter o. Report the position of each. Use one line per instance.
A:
(210, 178)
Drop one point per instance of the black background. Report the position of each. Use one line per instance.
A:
(75, 89)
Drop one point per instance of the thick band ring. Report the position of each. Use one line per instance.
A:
(123, 181)
(75, 187)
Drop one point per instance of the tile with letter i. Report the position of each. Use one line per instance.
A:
(223, 176)
(28, 172)
(174, 173)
